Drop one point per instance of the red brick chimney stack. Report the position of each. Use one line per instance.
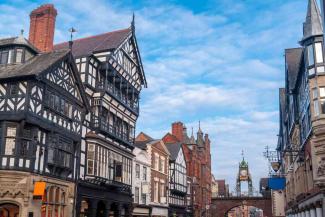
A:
(177, 130)
(42, 25)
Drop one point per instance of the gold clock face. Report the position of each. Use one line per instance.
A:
(243, 173)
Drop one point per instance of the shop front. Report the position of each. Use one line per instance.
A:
(23, 194)
(141, 210)
(159, 211)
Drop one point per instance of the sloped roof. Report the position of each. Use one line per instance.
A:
(282, 100)
(293, 57)
(173, 149)
(97, 43)
(34, 66)
(20, 40)
(141, 144)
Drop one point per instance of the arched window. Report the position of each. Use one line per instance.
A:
(53, 202)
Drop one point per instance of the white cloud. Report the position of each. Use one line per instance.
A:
(223, 66)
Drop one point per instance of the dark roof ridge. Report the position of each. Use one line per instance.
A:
(94, 36)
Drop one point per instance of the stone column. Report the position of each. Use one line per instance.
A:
(319, 212)
(307, 213)
(92, 210)
(312, 212)
(107, 209)
(302, 213)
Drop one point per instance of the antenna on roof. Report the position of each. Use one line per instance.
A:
(133, 23)
(71, 30)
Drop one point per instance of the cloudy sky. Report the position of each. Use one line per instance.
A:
(218, 61)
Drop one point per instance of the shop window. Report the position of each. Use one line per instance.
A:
(53, 202)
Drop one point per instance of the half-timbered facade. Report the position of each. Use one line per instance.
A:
(177, 180)
(111, 70)
(42, 107)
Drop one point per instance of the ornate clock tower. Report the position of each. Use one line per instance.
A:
(244, 176)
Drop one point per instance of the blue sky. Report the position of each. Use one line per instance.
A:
(218, 61)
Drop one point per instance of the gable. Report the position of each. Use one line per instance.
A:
(161, 147)
(127, 55)
(181, 158)
(143, 137)
(169, 138)
(62, 76)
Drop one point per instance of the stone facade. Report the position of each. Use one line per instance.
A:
(17, 189)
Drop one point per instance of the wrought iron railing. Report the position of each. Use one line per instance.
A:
(122, 187)
(103, 125)
(110, 88)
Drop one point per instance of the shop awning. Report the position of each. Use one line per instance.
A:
(39, 190)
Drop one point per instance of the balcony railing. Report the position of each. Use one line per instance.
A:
(119, 95)
(104, 126)
(122, 187)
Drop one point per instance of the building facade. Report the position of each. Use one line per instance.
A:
(301, 134)
(42, 106)
(159, 155)
(177, 190)
(141, 177)
(198, 166)
(67, 120)
(111, 70)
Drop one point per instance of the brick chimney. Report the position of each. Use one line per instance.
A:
(177, 130)
(42, 25)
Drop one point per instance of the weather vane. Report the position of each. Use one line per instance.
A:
(71, 30)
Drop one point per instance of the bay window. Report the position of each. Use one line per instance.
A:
(60, 152)
(315, 58)
(105, 163)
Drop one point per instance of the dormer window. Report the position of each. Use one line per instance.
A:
(14, 55)
(4, 57)
(315, 59)
(19, 55)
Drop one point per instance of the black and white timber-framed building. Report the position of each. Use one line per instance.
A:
(42, 107)
(177, 195)
(67, 121)
(111, 70)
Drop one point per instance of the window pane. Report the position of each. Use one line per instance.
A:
(315, 93)
(4, 57)
(10, 56)
(316, 109)
(322, 92)
(310, 55)
(319, 53)
(322, 103)
(311, 71)
(320, 69)
(19, 55)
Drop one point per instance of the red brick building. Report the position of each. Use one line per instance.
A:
(198, 163)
